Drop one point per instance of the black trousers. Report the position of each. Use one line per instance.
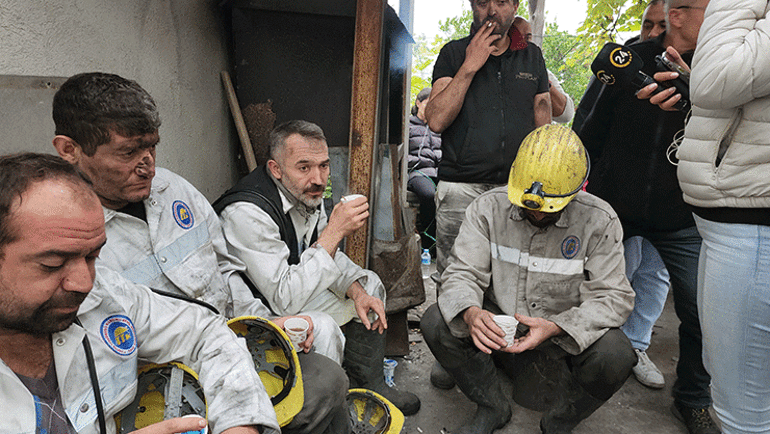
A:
(600, 370)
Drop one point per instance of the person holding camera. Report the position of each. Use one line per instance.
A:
(629, 143)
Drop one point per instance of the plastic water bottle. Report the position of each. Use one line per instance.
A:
(425, 261)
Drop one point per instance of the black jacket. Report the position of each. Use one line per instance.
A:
(629, 142)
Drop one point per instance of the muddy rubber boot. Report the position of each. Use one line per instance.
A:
(364, 353)
(478, 380)
(440, 378)
(574, 405)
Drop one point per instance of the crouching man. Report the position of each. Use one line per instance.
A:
(551, 255)
(72, 333)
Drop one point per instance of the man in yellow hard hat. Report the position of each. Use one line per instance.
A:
(550, 255)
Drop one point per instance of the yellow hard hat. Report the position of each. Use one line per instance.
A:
(371, 413)
(163, 392)
(550, 168)
(276, 362)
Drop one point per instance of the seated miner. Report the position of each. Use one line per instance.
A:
(274, 221)
(550, 255)
(163, 233)
(69, 327)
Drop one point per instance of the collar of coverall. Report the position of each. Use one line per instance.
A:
(517, 40)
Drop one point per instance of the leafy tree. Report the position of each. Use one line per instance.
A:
(606, 18)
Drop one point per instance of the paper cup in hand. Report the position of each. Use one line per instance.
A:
(203, 430)
(508, 324)
(296, 329)
(351, 197)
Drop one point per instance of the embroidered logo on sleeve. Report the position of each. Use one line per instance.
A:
(119, 334)
(182, 214)
(570, 246)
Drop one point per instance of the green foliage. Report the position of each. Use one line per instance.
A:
(566, 58)
(605, 18)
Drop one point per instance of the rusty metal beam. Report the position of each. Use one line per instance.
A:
(364, 113)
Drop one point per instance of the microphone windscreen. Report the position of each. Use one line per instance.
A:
(616, 63)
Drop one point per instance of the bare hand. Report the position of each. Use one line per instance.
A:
(347, 217)
(486, 334)
(480, 47)
(540, 330)
(365, 303)
(307, 344)
(667, 97)
(173, 426)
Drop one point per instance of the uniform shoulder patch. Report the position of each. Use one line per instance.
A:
(119, 334)
(570, 247)
(182, 214)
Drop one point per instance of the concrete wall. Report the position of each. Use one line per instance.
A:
(173, 48)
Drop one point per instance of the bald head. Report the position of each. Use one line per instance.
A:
(523, 27)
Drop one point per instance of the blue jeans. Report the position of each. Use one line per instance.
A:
(734, 303)
(679, 251)
(649, 278)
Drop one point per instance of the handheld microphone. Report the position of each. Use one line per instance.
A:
(618, 64)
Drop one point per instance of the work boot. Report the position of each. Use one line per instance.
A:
(572, 406)
(478, 380)
(440, 378)
(364, 353)
(697, 420)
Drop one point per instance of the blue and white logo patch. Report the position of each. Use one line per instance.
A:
(182, 214)
(570, 246)
(119, 334)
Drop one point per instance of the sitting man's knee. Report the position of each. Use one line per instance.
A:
(430, 324)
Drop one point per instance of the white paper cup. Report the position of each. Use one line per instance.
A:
(296, 329)
(508, 324)
(350, 197)
(203, 430)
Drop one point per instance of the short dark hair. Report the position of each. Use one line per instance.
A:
(278, 136)
(89, 106)
(17, 174)
(421, 96)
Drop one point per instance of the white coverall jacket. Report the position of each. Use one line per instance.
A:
(181, 249)
(571, 273)
(126, 322)
(318, 283)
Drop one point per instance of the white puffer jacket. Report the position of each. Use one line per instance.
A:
(725, 156)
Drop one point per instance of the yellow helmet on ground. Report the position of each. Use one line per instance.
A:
(371, 413)
(276, 362)
(550, 168)
(163, 392)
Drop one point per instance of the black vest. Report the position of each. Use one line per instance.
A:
(258, 188)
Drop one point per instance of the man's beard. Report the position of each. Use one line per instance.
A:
(547, 220)
(44, 321)
(311, 202)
